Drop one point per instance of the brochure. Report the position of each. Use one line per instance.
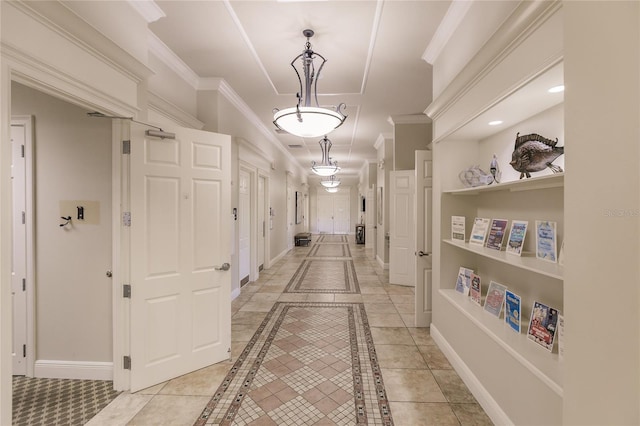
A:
(463, 282)
(546, 241)
(512, 310)
(458, 228)
(495, 298)
(518, 231)
(475, 291)
(496, 233)
(479, 231)
(561, 337)
(542, 326)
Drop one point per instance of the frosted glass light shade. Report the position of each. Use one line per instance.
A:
(308, 121)
(332, 182)
(332, 190)
(325, 171)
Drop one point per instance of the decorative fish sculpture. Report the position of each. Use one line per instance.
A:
(533, 153)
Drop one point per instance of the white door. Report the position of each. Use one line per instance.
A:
(19, 264)
(291, 215)
(402, 228)
(341, 213)
(244, 221)
(424, 183)
(262, 225)
(180, 236)
(325, 214)
(370, 220)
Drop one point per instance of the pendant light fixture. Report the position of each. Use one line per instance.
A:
(330, 182)
(305, 120)
(332, 190)
(326, 167)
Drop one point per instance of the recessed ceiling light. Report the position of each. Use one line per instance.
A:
(495, 122)
(557, 89)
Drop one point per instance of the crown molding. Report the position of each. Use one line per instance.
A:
(171, 60)
(409, 119)
(148, 9)
(518, 27)
(381, 138)
(173, 112)
(448, 26)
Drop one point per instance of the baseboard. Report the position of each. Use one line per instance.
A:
(278, 257)
(85, 370)
(235, 293)
(381, 263)
(486, 401)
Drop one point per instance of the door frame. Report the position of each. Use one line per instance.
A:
(27, 121)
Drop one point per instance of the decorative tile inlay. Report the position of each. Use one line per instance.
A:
(324, 276)
(330, 250)
(306, 363)
(327, 238)
(58, 401)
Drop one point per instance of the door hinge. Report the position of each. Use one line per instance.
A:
(22, 151)
(126, 147)
(126, 291)
(24, 284)
(126, 218)
(126, 362)
(24, 351)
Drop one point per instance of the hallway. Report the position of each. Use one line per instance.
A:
(319, 330)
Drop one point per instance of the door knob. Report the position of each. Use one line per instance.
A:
(225, 267)
(421, 253)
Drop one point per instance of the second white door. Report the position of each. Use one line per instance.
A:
(334, 213)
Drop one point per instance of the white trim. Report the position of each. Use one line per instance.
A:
(521, 24)
(381, 263)
(33, 73)
(280, 256)
(169, 110)
(381, 138)
(170, 59)
(408, 119)
(449, 24)
(84, 370)
(484, 398)
(235, 293)
(148, 9)
(28, 122)
(372, 45)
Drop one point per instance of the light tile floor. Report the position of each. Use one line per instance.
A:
(421, 385)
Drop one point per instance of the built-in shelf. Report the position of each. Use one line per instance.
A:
(555, 180)
(527, 261)
(543, 364)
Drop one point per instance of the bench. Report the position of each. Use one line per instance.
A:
(302, 239)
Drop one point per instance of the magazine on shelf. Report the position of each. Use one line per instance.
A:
(458, 228)
(463, 282)
(515, 243)
(546, 245)
(543, 325)
(495, 298)
(496, 234)
(512, 310)
(479, 231)
(475, 291)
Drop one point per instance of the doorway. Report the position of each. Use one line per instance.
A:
(244, 223)
(334, 213)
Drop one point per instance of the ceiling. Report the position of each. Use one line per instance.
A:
(374, 63)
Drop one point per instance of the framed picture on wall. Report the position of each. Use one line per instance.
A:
(299, 207)
(379, 205)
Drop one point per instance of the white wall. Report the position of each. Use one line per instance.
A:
(72, 162)
(602, 211)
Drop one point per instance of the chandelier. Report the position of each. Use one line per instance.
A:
(326, 167)
(332, 190)
(330, 182)
(305, 120)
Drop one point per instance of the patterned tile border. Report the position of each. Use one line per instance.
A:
(343, 249)
(303, 282)
(368, 401)
(327, 238)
